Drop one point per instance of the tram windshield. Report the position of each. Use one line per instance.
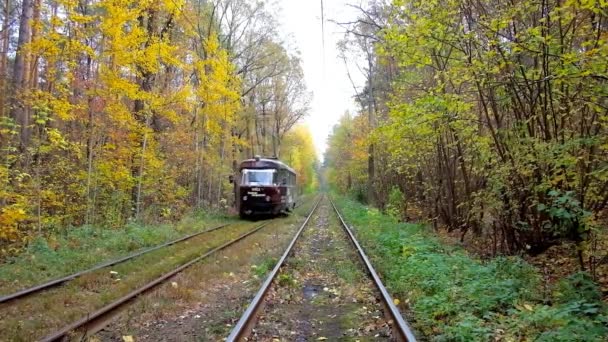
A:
(258, 177)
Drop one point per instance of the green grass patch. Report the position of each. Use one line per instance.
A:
(456, 297)
(285, 279)
(82, 247)
(266, 264)
(349, 272)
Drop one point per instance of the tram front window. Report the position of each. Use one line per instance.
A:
(258, 177)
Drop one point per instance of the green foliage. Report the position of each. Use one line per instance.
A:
(396, 203)
(346, 156)
(578, 287)
(567, 215)
(285, 279)
(267, 264)
(454, 297)
(491, 117)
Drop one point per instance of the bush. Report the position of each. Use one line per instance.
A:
(578, 287)
(395, 206)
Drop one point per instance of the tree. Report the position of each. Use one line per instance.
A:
(19, 112)
(299, 152)
(128, 110)
(494, 117)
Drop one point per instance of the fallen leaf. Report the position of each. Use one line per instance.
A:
(396, 301)
(322, 338)
(128, 338)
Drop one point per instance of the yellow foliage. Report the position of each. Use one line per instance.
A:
(348, 152)
(130, 99)
(10, 217)
(299, 152)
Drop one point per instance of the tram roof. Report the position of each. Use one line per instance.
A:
(264, 163)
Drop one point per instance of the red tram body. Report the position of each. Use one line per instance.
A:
(265, 186)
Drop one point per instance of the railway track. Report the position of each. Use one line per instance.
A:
(303, 328)
(61, 280)
(93, 322)
(58, 281)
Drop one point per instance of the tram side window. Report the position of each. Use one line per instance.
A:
(283, 178)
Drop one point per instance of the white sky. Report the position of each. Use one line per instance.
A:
(324, 72)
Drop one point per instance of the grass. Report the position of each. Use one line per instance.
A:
(449, 295)
(33, 317)
(264, 266)
(83, 247)
(223, 284)
(36, 316)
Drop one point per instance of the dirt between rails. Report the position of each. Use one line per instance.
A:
(204, 302)
(322, 293)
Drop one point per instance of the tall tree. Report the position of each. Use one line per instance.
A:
(19, 111)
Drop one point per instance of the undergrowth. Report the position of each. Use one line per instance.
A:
(451, 296)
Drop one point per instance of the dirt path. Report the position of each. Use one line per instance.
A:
(322, 292)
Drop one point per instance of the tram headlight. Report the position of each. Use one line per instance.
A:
(244, 198)
(267, 198)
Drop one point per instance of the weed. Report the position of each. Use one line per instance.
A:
(264, 267)
(285, 279)
(454, 297)
(578, 287)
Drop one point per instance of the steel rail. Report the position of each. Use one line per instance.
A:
(399, 324)
(242, 328)
(95, 321)
(58, 281)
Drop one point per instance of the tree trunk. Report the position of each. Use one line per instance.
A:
(371, 198)
(32, 78)
(4, 56)
(18, 110)
(138, 206)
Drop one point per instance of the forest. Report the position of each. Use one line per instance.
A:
(472, 167)
(122, 110)
(486, 119)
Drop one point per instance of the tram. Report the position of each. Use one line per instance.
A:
(265, 186)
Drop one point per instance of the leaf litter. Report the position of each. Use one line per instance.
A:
(328, 296)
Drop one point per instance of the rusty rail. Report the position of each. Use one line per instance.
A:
(59, 281)
(400, 326)
(93, 322)
(244, 325)
(243, 328)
